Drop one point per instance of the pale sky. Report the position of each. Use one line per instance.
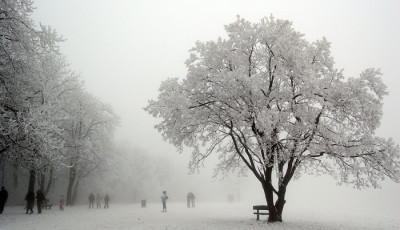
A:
(125, 49)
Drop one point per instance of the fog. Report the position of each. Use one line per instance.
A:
(125, 49)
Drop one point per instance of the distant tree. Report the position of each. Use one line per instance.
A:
(136, 174)
(88, 132)
(267, 100)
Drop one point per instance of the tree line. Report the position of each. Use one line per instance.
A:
(48, 120)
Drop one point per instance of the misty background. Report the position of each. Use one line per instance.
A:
(125, 49)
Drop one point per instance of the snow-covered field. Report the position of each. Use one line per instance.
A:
(204, 216)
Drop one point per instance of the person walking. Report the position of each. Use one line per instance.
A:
(164, 199)
(39, 200)
(62, 200)
(30, 200)
(106, 199)
(91, 200)
(3, 198)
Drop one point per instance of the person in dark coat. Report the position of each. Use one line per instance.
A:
(91, 200)
(3, 198)
(39, 200)
(106, 199)
(30, 200)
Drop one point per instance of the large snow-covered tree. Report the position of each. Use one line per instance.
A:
(47, 120)
(32, 76)
(269, 101)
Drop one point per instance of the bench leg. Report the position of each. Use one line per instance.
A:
(258, 214)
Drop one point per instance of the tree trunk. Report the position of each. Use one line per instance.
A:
(42, 178)
(2, 165)
(49, 182)
(15, 175)
(274, 213)
(71, 182)
(75, 191)
(280, 202)
(32, 180)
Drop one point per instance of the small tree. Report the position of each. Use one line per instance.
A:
(267, 100)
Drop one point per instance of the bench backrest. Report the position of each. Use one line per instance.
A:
(260, 207)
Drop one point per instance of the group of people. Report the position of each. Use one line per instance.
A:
(30, 200)
(40, 199)
(98, 200)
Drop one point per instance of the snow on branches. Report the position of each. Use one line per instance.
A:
(269, 99)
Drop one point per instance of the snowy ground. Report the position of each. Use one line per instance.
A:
(205, 216)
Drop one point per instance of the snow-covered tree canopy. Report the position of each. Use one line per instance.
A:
(268, 100)
(32, 79)
(46, 118)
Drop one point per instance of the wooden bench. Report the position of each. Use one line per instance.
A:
(261, 208)
(46, 205)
